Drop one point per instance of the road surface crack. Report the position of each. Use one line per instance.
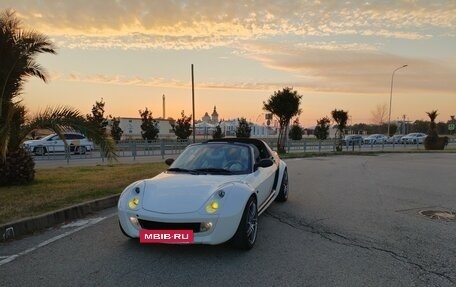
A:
(346, 241)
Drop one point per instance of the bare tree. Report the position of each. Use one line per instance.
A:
(379, 114)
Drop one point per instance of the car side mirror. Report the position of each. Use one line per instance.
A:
(266, 162)
(169, 161)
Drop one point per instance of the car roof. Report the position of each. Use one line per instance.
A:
(256, 142)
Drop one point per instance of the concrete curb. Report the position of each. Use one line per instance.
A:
(17, 229)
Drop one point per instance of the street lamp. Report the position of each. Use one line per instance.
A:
(391, 97)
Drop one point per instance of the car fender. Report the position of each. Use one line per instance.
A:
(238, 194)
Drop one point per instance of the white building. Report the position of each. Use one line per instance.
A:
(257, 131)
(131, 128)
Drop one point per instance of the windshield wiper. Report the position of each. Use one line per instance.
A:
(213, 170)
(178, 169)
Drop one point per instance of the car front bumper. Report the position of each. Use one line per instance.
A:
(223, 227)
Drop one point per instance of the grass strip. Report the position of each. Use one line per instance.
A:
(66, 186)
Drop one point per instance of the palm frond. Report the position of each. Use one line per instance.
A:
(63, 119)
(432, 115)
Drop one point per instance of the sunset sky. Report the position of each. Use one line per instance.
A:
(336, 54)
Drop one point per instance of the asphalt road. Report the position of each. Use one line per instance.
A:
(349, 221)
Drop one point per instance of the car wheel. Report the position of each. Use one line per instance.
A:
(283, 192)
(80, 150)
(40, 150)
(123, 231)
(245, 236)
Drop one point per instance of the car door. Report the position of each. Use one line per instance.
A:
(265, 176)
(263, 179)
(55, 144)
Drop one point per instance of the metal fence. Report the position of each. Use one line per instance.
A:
(167, 147)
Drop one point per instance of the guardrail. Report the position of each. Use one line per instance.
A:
(164, 147)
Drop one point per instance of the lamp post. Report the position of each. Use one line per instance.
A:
(391, 97)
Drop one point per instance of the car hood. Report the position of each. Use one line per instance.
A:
(182, 193)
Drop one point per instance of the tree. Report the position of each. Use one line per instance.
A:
(243, 129)
(341, 118)
(433, 141)
(116, 131)
(149, 126)
(18, 50)
(218, 134)
(322, 128)
(284, 105)
(97, 118)
(296, 131)
(379, 114)
(182, 127)
(419, 126)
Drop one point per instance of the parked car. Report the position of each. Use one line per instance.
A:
(414, 138)
(77, 143)
(353, 140)
(396, 139)
(211, 193)
(375, 139)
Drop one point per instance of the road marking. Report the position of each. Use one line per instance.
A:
(90, 222)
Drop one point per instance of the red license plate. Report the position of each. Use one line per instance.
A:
(166, 236)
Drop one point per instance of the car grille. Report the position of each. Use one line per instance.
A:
(155, 225)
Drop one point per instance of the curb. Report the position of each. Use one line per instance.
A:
(17, 229)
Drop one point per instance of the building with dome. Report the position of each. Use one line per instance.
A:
(213, 119)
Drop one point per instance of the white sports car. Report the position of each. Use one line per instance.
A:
(212, 193)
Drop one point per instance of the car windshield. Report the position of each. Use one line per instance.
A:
(47, 137)
(214, 158)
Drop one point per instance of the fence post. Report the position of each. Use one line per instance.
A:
(133, 149)
(162, 148)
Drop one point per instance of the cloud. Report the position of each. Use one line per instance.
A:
(351, 68)
(162, 82)
(202, 24)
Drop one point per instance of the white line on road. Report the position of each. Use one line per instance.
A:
(91, 222)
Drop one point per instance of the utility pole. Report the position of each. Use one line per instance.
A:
(193, 106)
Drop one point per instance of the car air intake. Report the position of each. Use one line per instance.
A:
(155, 225)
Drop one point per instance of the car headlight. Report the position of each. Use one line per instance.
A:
(133, 203)
(213, 205)
(131, 197)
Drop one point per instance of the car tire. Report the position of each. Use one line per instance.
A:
(246, 233)
(283, 191)
(123, 231)
(40, 150)
(80, 150)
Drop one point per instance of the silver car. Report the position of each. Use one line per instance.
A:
(414, 138)
(375, 139)
(396, 139)
(77, 143)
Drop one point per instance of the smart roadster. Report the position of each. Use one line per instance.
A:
(213, 192)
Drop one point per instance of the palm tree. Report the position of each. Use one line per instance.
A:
(433, 141)
(18, 51)
(18, 48)
(432, 126)
(340, 117)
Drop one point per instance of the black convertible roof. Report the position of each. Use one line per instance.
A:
(256, 142)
